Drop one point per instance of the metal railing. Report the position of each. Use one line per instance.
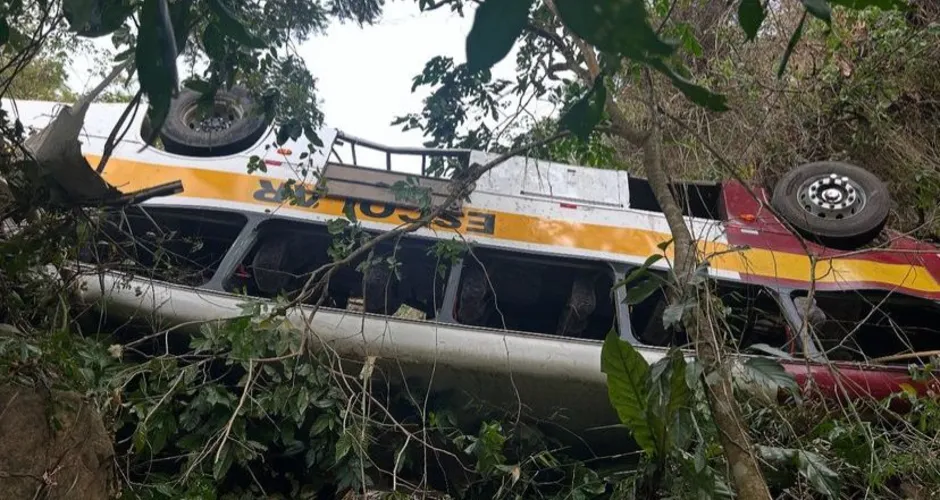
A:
(462, 156)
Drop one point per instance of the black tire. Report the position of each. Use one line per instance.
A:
(243, 125)
(855, 220)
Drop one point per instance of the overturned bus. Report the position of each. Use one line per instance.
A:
(517, 316)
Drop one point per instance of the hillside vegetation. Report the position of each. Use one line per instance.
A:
(95, 408)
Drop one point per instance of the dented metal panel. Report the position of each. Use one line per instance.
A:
(540, 179)
(361, 183)
(569, 183)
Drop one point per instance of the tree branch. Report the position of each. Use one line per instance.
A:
(461, 187)
(570, 59)
(733, 435)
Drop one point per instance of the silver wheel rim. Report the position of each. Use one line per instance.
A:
(223, 114)
(831, 196)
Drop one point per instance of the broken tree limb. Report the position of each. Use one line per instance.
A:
(142, 195)
(57, 155)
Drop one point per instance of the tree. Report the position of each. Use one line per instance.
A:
(42, 79)
(603, 47)
(245, 409)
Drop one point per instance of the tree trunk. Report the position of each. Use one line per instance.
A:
(745, 471)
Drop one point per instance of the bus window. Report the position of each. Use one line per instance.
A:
(177, 245)
(749, 315)
(403, 277)
(552, 296)
(862, 326)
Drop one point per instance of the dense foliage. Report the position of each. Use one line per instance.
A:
(241, 410)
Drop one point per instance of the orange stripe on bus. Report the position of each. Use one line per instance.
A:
(639, 243)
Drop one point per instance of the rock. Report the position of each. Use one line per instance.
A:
(54, 444)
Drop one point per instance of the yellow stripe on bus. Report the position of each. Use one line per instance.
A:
(130, 175)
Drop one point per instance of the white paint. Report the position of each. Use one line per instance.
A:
(500, 190)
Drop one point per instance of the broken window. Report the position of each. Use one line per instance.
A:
(400, 277)
(553, 296)
(749, 316)
(865, 326)
(177, 245)
(697, 199)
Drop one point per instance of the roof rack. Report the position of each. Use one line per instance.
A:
(342, 139)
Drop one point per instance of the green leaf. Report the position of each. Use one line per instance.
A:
(814, 468)
(751, 16)
(95, 18)
(794, 39)
(140, 439)
(627, 387)
(496, 26)
(696, 93)
(864, 4)
(686, 35)
(679, 393)
(213, 42)
(584, 115)
(820, 9)
(693, 373)
(322, 424)
(4, 32)
(673, 314)
(221, 466)
(201, 86)
(155, 58)
(615, 26)
(768, 349)
(641, 291)
(233, 27)
(769, 374)
(643, 270)
(180, 13)
(312, 136)
(343, 445)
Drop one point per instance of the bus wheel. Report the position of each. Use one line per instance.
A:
(229, 126)
(833, 203)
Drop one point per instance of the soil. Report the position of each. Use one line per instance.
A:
(54, 444)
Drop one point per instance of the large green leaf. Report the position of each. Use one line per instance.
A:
(791, 45)
(584, 115)
(751, 16)
(94, 18)
(863, 4)
(213, 42)
(615, 26)
(696, 93)
(668, 401)
(181, 17)
(814, 468)
(641, 291)
(820, 9)
(496, 26)
(627, 387)
(155, 58)
(769, 374)
(233, 27)
(811, 466)
(4, 31)
(679, 392)
(641, 271)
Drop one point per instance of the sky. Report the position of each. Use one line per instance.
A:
(365, 73)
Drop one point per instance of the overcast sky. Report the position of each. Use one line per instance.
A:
(365, 74)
